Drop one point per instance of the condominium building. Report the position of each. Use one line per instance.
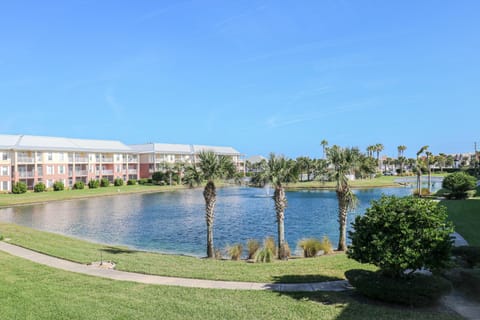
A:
(160, 156)
(33, 159)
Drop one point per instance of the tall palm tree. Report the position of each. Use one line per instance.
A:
(213, 166)
(344, 161)
(418, 169)
(324, 144)
(401, 150)
(379, 148)
(278, 171)
(371, 150)
(429, 169)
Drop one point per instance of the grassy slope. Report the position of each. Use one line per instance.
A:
(325, 268)
(35, 197)
(32, 291)
(465, 215)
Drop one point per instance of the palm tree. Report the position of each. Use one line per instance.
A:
(401, 150)
(278, 171)
(428, 160)
(418, 169)
(324, 144)
(344, 161)
(379, 148)
(370, 150)
(213, 166)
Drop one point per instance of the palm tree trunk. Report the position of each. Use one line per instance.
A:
(210, 199)
(342, 221)
(280, 204)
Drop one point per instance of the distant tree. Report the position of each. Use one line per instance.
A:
(324, 144)
(379, 148)
(418, 169)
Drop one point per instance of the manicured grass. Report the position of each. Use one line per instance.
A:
(384, 181)
(35, 197)
(324, 268)
(465, 215)
(33, 291)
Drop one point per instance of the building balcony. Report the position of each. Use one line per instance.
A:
(81, 159)
(25, 159)
(81, 173)
(26, 174)
(107, 172)
(132, 171)
(107, 159)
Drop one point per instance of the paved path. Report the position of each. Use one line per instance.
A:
(172, 281)
(458, 240)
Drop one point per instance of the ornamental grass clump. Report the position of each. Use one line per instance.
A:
(235, 251)
(252, 246)
(268, 251)
(326, 245)
(310, 247)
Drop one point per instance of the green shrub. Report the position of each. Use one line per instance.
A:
(118, 182)
(417, 290)
(79, 185)
(252, 246)
(235, 251)
(1, 237)
(93, 184)
(466, 280)
(310, 247)
(458, 184)
(469, 254)
(131, 182)
(270, 244)
(58, 186)
(19, 187)
(143, 181)
(104, 182)
(39, 187)
(397, 234)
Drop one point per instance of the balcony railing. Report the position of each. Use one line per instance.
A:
(132, 171)
(25, 159)
(107, 159)
(107, 172)
(81, 159)
(132, 159)
(26, 174)
(81, 172)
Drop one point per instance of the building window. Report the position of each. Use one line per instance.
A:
(61, 169)
(4, 156)
(49, 169)
(5, 186)
(49, 156)
(61, 157)
(4, 171)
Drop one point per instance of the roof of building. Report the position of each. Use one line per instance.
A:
(26, 142)
(256, 159)
(181, 148)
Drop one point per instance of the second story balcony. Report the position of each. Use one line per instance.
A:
(79, 159)
(23, 159)
(26, 174)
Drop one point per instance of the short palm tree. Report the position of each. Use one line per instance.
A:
(212, 167)
(379, 148)
(279, 170)
(418, 169)
(344, 160)
(324, 144)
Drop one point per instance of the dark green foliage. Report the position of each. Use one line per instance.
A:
(397, 234)
(466, 280)
(93, 184)
(118, 182)
(131, 182)
(39, 187)
(104, 182)
(19, 187)
(458, 184)
(144, 181)
(58, 186)
(158, 176)
(79, 185)
(417, 290)
(469, 254)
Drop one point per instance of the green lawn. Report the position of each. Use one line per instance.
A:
(35, 197)
(331, 267)
(33, 291)
(465, 215)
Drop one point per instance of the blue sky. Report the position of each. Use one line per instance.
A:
(261, 76)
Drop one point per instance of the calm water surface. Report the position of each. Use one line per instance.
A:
(174, 222)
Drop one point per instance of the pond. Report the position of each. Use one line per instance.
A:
(174, 222)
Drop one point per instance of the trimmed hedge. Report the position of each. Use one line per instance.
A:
(118, 182)
(79, 185)
(131, 182)
(39, 187)
(104, 182)
(93, 184)
(58, 186)
(19, 187)
(417, 290)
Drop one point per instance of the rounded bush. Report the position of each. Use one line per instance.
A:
(58, 186)
(79, 185)
(118, 182)
(93, 184)
(397, 234)
(39, 187)
(131, 182)
(458, 184)
(19, 187)
(104, 182)
(417, 290)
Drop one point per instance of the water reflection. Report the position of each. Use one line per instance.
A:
(175, 222)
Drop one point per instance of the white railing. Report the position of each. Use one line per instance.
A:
(107, 172)
(26, 174)
(25, 159)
